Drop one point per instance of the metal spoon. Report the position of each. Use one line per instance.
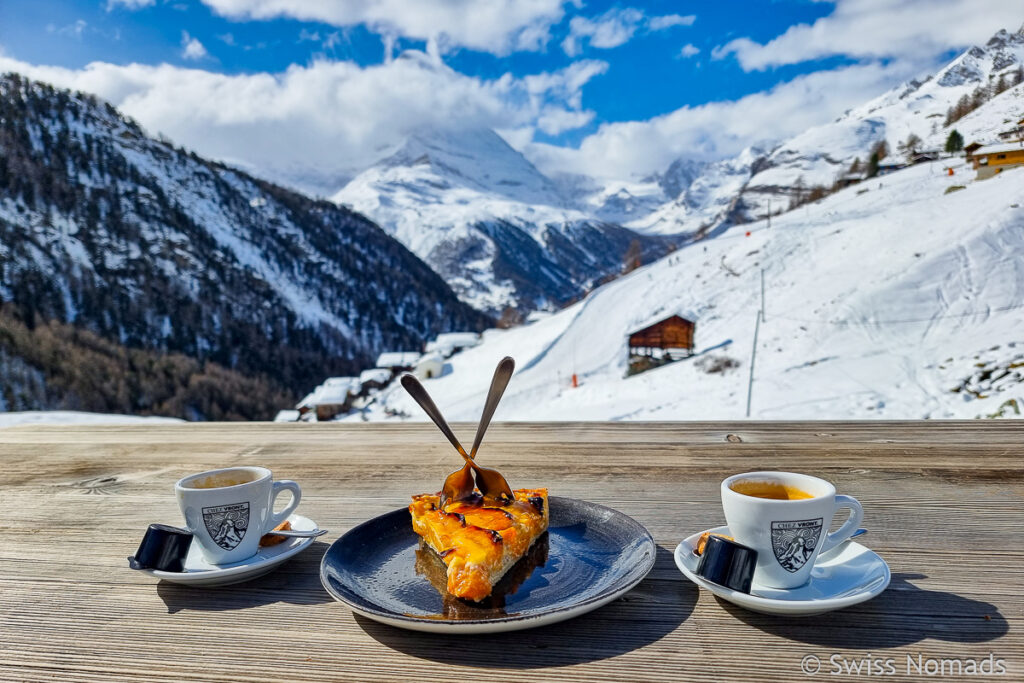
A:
(502, 374)
(294, 533)
(488, 479)
(420, 395)
(458, 484)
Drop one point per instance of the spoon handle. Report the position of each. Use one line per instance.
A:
(420, 395)
(294, 533)
(502, 374)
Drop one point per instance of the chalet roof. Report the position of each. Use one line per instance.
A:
(451, 340)
(334, 391)
(430, 358)
(287, 416)
(651, 322)
(380, 375)
(998, 149)
(397, 359)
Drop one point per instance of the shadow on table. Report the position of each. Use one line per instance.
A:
(903, 614)
(643, 616)
(296, 582)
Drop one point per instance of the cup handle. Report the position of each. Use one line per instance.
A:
(849, 526)
(279, 488)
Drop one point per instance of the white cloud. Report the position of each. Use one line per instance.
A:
(611, 29)
(670, 20)
(720, 129)
(74, 30)
(916, 29)
(689, 50)
(615, 27)
(497, 26)
(129, 4)
(191, 48)
(328, 118)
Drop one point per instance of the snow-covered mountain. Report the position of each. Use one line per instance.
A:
(898, 297)
(153, 247)
(696, 197)
(903, 300)
(919, 107)
(497, 229)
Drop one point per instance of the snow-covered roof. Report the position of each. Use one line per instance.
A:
(380, 375)
(430, 358)
(287, 416)
(333, 391)
(449, 341)
(998, 149)
(684, 314)
(463, 339)
(349, 382)
(397, 359)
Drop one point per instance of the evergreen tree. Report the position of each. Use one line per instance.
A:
(978, 97)
(881, 148)
(855, 166)
(955, 142)
(873, 165)
(1002, 85)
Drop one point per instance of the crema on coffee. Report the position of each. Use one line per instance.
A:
(769, 489)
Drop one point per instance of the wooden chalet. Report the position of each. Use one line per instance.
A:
(994, 159)
(671, 336)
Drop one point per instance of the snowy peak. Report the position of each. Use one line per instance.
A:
(497, 229)
(479, 159)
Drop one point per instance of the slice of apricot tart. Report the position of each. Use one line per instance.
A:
(479, 540)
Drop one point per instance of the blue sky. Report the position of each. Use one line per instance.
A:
(617, 88)
(647, 75)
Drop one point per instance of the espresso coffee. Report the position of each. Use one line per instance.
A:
(219, 481)
(773, 490)
(786, 518)
(230, 509)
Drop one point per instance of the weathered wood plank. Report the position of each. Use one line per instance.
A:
(943, 503)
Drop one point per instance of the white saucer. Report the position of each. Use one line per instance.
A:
(843, 576)
(200, 573)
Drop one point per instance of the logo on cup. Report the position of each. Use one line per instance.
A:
(226, 524)
(794, 542)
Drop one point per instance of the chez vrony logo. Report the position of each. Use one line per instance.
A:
(794, 542)
(227, 524)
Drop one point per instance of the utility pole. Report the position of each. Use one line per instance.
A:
(762, 295)
(753, 357)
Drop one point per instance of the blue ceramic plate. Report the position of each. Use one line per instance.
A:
(590, 556)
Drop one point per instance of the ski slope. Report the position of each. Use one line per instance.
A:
(879, 300)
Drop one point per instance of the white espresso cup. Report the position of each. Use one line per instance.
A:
(787, 534)
(229, 510)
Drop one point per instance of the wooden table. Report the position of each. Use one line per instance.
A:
(944, 502)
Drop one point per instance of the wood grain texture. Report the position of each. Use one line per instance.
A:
(944, 502)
